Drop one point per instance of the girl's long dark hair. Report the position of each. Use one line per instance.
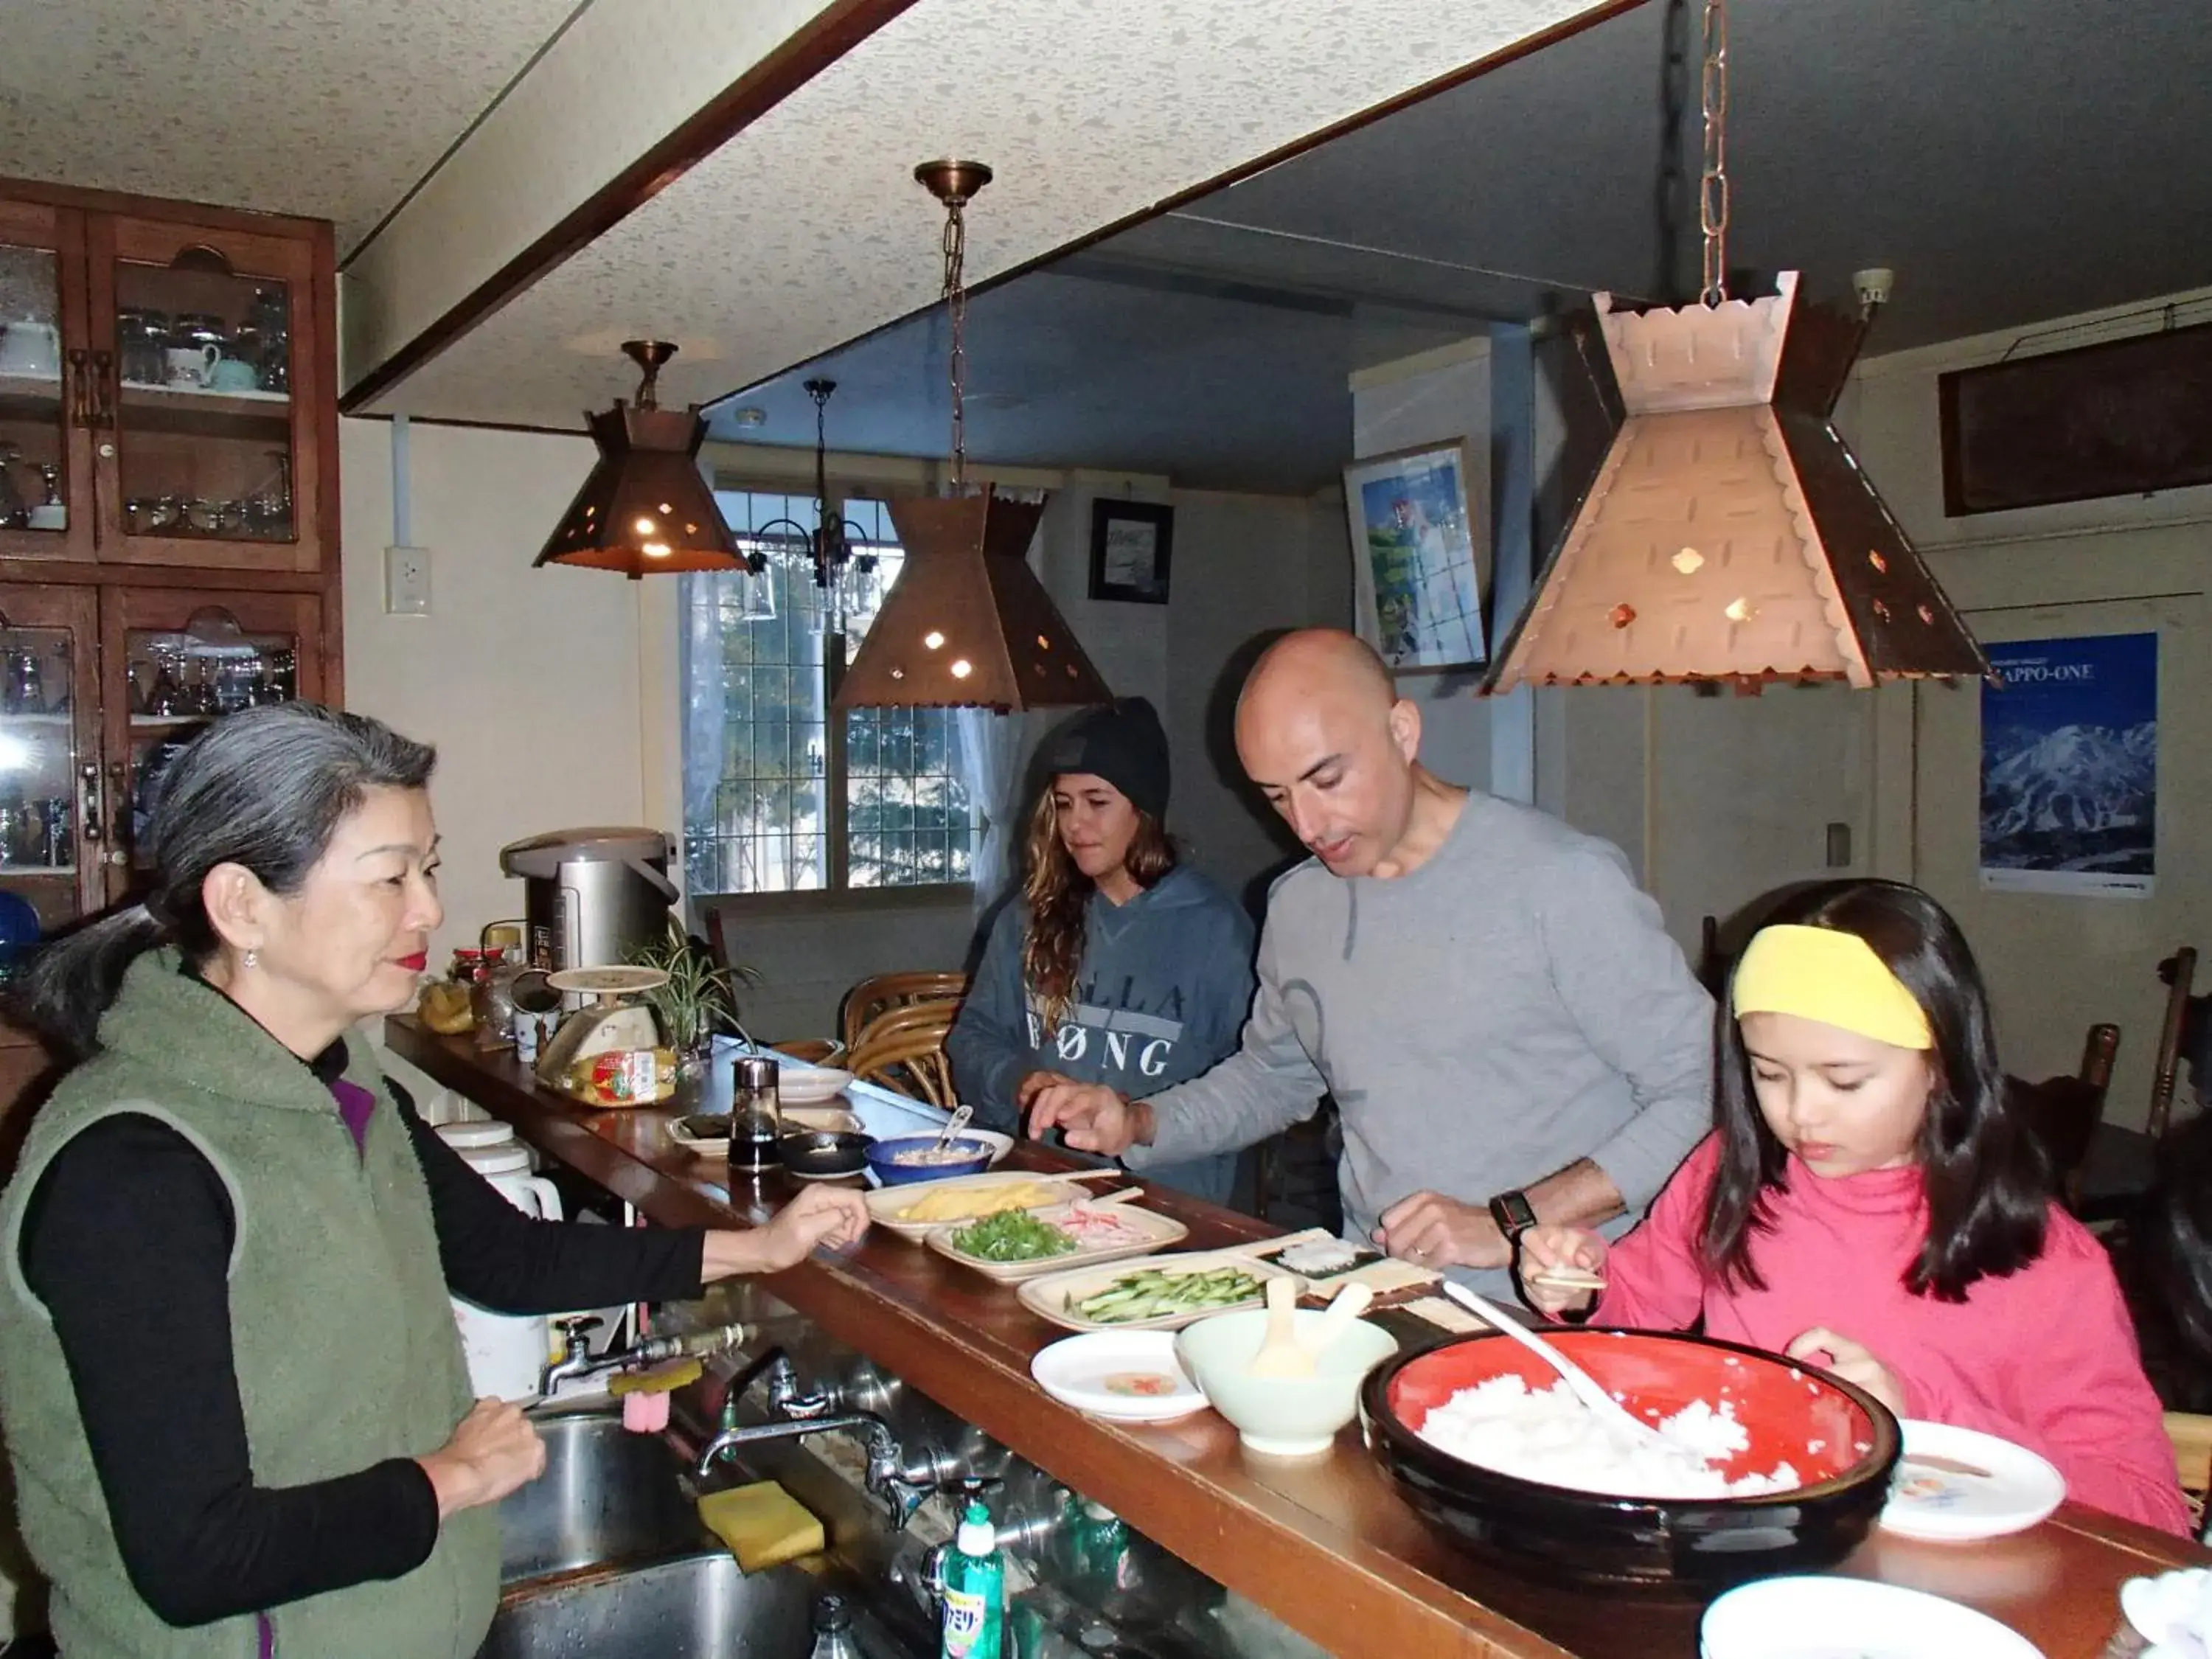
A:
(1058, 893)
(1987, 1180)
(265, 788)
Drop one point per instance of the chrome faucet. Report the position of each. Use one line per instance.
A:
(577, 1359)
(898, 1482)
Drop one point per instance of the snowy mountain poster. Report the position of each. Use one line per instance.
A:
(2069, 766)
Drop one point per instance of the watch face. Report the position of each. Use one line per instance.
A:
(1513, 1213)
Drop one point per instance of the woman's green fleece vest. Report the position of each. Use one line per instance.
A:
(344, 1335)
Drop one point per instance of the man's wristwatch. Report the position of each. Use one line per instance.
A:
(1513, 1213)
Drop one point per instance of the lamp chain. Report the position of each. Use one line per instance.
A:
(1713, 181)
(956, 306)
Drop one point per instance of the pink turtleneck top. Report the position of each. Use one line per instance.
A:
(2045, 1356)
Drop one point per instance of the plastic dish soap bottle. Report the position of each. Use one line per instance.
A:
(975, 1588)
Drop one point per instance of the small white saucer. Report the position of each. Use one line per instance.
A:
(1948, 1506)
(1826, 1618)
(1123, 1376)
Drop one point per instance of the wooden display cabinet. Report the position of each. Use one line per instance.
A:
(168, 521)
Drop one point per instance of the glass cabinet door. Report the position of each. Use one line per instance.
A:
(45, 388)
(52, 836)
(178, 660)
(209, 368)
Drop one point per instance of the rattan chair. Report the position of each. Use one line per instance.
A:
(873, 998)
(904, 1050)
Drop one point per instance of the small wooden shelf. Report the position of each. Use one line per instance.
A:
(62, 719)
(166, 722)
(182, 409)
(12, 870)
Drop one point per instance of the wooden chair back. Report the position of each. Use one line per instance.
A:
(2192, 1435)
(904, 1050)
(872, 998)
(2064, 1111)
(2179, 973)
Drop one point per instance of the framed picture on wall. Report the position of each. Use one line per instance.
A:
(1417, 557)
(1130, 542)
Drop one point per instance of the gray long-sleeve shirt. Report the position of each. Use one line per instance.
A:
(1510, 1007)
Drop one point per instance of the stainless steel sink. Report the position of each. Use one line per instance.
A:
(607, 1497)
(697, 1606)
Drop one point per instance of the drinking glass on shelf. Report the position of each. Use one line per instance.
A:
(165, 699)
(54, 824)
(25, 692)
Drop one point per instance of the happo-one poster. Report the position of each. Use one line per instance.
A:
(2069, 766)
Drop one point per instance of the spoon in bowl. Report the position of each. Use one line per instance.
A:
(1580, 1383)
(953, 1125)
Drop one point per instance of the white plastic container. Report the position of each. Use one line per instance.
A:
(507, 1352)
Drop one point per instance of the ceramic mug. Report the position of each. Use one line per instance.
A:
(189, 366)
(231, 375)
(31, 349)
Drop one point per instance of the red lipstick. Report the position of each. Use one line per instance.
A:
(415, 963)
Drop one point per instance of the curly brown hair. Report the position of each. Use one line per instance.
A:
(1057, 893)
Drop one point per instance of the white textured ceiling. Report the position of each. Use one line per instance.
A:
(329, 108)
(807, 229)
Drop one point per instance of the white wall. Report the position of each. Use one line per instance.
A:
(526, 680)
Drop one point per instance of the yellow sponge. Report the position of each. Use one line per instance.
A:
(761, 1524)
(675, 1374)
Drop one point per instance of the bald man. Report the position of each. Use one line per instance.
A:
(1508, 1032)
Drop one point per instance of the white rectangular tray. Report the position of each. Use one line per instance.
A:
(884, 1203)
(1154, 1233)
(1053, 1296)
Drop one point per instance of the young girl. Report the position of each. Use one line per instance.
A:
(1870, 1204)
(1121, 965)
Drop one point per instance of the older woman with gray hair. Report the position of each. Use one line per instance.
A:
(233, 1392)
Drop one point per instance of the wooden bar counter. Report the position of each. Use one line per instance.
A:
(1326, 1544)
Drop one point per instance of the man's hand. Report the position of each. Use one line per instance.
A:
(1094, 1118)
(1436, 1231)
(1839, 1356)
(1026, 1092)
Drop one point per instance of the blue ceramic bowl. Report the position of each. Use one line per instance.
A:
(883, 1159)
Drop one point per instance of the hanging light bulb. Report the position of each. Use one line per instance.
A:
(644, 510)
(966, 581)
(1729, 533)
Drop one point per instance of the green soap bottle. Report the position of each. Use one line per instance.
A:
(975, 1589)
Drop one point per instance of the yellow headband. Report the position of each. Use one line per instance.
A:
(1830, 975)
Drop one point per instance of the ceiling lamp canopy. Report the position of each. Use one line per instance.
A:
(967, 623)
(644, 509)
(1729, 533)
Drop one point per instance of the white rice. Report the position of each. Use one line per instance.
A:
(1549, 1435)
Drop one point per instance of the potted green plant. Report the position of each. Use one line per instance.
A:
(699, 997)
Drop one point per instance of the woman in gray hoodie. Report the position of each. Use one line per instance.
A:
(1119, 964)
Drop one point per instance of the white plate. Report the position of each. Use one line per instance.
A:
(1095, 1374)
(616, 981)
(1819, 1617)
(2018, 1491)
(811, 1086)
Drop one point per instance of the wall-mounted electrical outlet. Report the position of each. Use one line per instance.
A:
(406, 581)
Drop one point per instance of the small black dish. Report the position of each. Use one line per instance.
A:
(706, 1126)
(824, 1154)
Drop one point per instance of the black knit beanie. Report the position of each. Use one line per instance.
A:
(1123, 743)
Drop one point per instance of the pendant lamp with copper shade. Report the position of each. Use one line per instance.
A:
(967, 623)
(644, 509)
(1729, 533)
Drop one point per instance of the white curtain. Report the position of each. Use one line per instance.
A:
(986, 746)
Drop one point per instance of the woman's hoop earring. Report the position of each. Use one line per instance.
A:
(253, 958)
